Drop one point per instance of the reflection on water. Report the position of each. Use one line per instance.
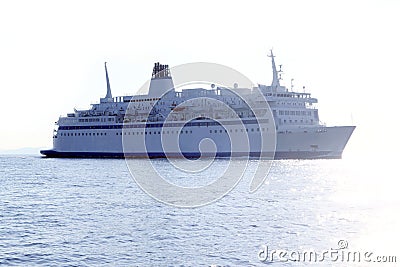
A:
(368, 189)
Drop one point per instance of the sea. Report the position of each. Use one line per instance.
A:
(92, 212)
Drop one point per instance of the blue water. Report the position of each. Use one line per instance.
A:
(90, 212)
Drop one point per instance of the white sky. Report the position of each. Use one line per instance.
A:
(346, 53)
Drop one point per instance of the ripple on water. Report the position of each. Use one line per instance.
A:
(91, 212)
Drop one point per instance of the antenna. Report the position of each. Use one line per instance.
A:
(291, 84)
(275, 79)
(280, 72)
(108, 95)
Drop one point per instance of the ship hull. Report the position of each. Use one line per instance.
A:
(304, 143)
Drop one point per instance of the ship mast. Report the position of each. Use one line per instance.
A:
(275, 79)
(109, 95)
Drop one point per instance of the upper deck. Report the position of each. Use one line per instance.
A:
(289, 108)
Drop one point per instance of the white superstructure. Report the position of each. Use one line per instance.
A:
(100, 130)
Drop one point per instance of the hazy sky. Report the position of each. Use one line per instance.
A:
(346, 53)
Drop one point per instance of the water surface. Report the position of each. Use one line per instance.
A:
(90, 212)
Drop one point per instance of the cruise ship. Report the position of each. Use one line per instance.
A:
(261, 121)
